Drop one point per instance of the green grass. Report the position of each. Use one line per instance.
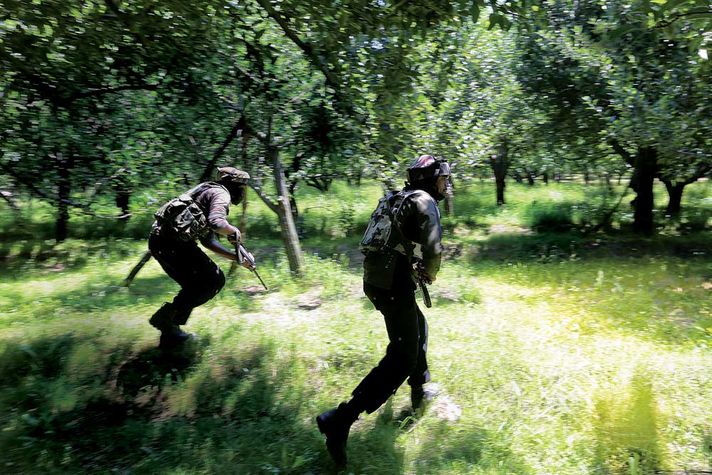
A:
(567, 353)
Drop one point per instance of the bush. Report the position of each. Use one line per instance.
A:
(549, 216)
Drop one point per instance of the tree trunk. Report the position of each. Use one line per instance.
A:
(284, 212)
(642, 183)
(674, 190)
(293, 202)
(243, 217)
(64, 188)
(530, 178)
(449, 203)
(123, 197)
(7, 196)
(500, 163)
(607, 181)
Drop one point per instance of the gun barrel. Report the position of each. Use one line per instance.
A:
(260, 279)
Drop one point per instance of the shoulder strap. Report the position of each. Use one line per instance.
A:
(194, 192)
(394, 220)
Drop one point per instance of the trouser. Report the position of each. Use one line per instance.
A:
(200, 279)
(406, 352)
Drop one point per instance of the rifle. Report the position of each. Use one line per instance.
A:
(422, 282)
(242, 256)
(144, 259)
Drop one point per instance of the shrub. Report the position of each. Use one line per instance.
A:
(549, 216)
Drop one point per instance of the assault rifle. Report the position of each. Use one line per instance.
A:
(419, 276)
(243, 255)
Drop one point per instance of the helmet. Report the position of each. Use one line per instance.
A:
(427, 167)
(232, 175)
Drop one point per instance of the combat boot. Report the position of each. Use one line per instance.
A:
(163, 318)
(335, 425)
(174, 336)
(420, 396)
(171, 334)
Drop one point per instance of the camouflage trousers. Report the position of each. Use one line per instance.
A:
(200, 279)
(406, 352)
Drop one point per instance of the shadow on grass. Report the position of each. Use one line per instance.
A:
(448, 449)
(69, 407)
(555, 247)
(374, 450)
(95, 295)
(35, 255)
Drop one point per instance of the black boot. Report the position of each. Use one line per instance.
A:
(174, 336)
(171, 334)
(163, 318)
(420, 396)
(335, 425)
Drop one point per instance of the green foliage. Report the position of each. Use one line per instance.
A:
(540, 336)
(552, 217)
(82, 384)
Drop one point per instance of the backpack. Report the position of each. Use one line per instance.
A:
(378, 232)
(182, 217)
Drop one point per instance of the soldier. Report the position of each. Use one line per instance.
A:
(174, 247)
(402, 239)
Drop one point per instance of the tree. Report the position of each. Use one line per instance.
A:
(630, 75)
(69, 70)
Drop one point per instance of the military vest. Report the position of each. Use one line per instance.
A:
(182, 218)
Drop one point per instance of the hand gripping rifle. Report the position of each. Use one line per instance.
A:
(243, 255)
(419, 276)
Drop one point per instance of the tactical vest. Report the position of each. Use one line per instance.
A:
(182, 218)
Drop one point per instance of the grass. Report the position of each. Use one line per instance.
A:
(566, 353)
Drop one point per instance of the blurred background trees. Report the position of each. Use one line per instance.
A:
(119, 104)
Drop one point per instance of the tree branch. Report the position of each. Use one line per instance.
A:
(306, 48)
(312, 55)
(621, 151)
(235, 132)
(266, 199)
(111, 90)
(678, 16)
(85, 208)
(36, 191)
(7, 196)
